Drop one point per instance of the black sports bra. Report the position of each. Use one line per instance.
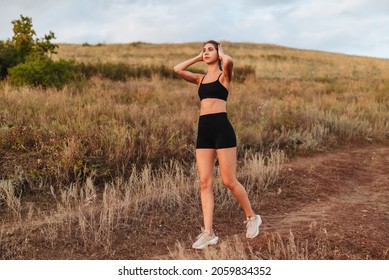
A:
(213, 90)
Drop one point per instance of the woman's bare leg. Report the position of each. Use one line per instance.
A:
(227, 166)
(205, 164)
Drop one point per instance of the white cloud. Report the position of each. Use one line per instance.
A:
(349, 26)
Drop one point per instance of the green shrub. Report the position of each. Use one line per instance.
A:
(122, 72)
(44, 72)
(8, 57)
(242, 73)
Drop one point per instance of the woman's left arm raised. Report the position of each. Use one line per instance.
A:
(227, 64)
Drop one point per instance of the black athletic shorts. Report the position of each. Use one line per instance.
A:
(215, 132)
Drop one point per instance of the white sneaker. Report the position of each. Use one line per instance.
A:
(252, 225)
(205, 239)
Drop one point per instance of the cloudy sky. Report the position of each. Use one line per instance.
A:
(357, 27)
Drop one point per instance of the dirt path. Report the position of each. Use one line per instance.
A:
(352, 179)
(344, 198)
(333, 205)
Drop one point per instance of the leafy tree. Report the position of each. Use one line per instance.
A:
(44, 46)
(23, 38)
(25, 42)
(23, 45)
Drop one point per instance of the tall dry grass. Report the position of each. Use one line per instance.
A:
(94, 219)
(69, 135)
(278, 247)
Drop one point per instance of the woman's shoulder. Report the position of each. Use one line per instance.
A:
(201, 78)
(224, 81)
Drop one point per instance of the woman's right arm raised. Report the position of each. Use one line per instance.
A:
(180, 69)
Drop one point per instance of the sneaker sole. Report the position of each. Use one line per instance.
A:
(213, 241)
(257, 232)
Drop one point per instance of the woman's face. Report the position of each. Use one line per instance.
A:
(210, 53)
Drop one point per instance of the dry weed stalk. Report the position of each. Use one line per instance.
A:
(9, 197)
(262, 171)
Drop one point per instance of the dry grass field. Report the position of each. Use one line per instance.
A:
(105, 169)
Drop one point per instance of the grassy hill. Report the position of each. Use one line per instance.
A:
(269, 61)
(84, 162)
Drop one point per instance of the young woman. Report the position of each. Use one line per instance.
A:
(216, 138)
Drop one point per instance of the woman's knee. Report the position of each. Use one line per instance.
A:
(230, 182)
(206, 183)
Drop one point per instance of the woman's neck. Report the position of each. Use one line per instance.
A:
(213, 68)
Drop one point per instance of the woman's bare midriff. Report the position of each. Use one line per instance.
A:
(212, 106)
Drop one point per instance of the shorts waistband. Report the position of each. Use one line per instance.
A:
(221, 114)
